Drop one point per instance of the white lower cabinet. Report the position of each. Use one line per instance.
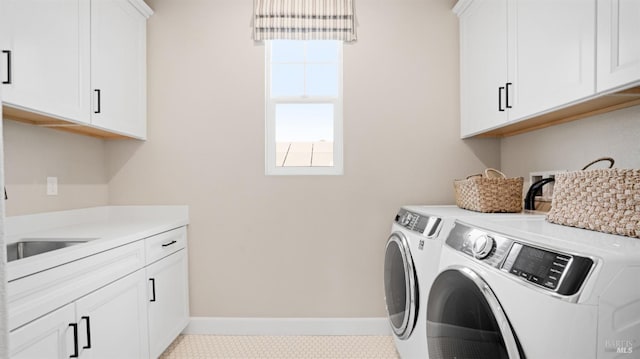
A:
(108, 323)
(169, 301)
(112, 322)
(136, 314)
(47, 337)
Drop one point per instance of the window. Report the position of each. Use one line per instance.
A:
(304, 107)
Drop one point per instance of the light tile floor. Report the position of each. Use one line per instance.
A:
(281, 347)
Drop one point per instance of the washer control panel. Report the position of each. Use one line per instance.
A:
(551, 270)
(428, 226)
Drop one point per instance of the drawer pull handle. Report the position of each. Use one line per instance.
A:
(170, 243)
(88, 346)
(153, 289)
(75, 340)
(8, 80)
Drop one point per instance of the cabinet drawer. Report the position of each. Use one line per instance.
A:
(38, 294)
(163, 244)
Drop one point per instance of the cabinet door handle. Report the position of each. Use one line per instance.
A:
(153, 289)
(8, 80)
(75, 340)
(98, 101)
(500, 89)
(88, 346)
(170, 243)
(507, 94)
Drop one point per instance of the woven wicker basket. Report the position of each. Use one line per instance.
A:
(603, 200)
(489, 193)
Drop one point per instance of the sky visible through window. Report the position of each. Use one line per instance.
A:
(307, 70)
(304, 122)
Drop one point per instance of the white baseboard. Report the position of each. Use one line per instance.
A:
(288, 326)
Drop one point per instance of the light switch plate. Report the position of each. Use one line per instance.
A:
(52, 186)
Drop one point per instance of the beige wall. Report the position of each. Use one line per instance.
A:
(34, 153)
(572, 145)
(295, 246)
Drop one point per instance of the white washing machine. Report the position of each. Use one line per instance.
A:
(526, 288)
(411, 264)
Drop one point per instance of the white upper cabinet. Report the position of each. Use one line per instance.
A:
(551, 57)
(118, 67)
(618, 43)
(45, 57)
(80, 61)
(483, 65)
(523, 57)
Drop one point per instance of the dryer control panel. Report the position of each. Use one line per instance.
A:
(549, 269)
(425, 225)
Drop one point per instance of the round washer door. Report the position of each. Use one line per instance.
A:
(465, 319)
(400, 286)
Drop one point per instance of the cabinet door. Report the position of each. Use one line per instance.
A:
(618, 43)
(48, 337)
(118, 67)
(168, 301)
(45, 56)
(552, 54)
(483, 65)
(112, 321)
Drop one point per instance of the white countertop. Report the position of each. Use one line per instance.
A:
(107, 227)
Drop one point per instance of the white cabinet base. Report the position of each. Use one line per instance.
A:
(48, 337)
(169, 301)
(117, 317)
(129, 301)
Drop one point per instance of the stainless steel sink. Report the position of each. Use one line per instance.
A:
(31, 247)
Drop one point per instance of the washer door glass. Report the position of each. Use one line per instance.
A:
(400, 285)
(465, 319)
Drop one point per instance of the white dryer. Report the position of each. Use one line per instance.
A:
(411, 264)
(526, 288)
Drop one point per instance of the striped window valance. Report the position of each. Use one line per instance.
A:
(304, 20)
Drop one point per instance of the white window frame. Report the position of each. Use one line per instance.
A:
(270, 124)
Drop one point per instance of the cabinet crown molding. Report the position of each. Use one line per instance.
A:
(461, 6)
(142, 7)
